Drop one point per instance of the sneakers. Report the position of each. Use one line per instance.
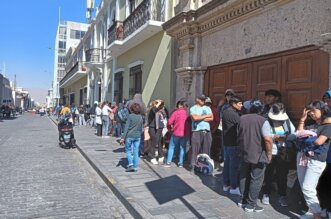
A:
(161, 159)
(241, 204)
(154, 161)
(249, 208)
(307, 215)
(226, 188)
(283, 202)
(235, 191)
(265, 199)
(131, 169)
(180, 165)
(167, 165)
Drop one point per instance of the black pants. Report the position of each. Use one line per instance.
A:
(281, 169)
(216, 150)
(201, 142)
(99, 128)
(324, 188)
(251, 180)
(156, 141)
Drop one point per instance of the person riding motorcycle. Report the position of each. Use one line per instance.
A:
(65, 110)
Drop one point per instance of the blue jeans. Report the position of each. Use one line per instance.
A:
(231, 164)
(176, 142)
(105, 125)
(132, 158)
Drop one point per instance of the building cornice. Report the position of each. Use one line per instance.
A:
(214, 15)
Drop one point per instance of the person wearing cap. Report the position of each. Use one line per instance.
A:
(255, 143)
(230, 122)
(228, 94)
(201, 115)
(270, 97)
(281, 127)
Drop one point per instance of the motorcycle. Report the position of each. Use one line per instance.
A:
(66, 132)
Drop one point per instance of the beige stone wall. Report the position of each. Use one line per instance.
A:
(295, 24)
(157, 68)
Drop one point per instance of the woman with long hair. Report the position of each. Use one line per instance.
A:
(312, 156)
(132, 136)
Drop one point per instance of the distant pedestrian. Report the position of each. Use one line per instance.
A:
(106, 110)
(98, 119)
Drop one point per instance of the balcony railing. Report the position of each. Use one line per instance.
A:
(94, 55)
(115, 32)
(78, 67)
(147, 10)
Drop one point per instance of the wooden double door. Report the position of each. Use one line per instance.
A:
(301, 76)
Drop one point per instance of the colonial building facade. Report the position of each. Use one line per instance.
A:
(251, 46)
(68, 36)
(125, 51)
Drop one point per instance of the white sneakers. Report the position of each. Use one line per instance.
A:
(265, 199)
(235, 191)
(154, 161)
(161, 160)
(226, 188)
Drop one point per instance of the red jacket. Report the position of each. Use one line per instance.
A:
(178, 124)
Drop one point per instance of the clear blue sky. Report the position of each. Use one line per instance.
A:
(28, 29)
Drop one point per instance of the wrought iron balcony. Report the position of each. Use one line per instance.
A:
(147, 10)
(75, 72)
(94, 55)
(115, 32)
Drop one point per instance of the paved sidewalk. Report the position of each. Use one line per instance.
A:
(158, 192)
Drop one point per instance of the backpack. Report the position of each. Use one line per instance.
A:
(123, 114)
(204, 164)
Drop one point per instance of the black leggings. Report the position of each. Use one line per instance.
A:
(156, 141)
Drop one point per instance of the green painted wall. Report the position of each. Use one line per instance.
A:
(157, 68)
(75, 88)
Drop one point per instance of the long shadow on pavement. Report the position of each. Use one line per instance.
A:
(170, 188)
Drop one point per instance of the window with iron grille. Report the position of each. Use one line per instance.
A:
(135, 81)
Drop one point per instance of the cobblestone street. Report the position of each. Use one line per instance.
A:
(41, 180)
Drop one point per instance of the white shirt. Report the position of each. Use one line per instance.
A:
(98, 115)
(106, 110)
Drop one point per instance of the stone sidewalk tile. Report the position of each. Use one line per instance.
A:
(158, 192)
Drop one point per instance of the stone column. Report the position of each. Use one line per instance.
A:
(189, 83)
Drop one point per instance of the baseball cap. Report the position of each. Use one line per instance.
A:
(253, 103)
(96, 102)
(229, 92)
(202, 97)
(208, 100)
